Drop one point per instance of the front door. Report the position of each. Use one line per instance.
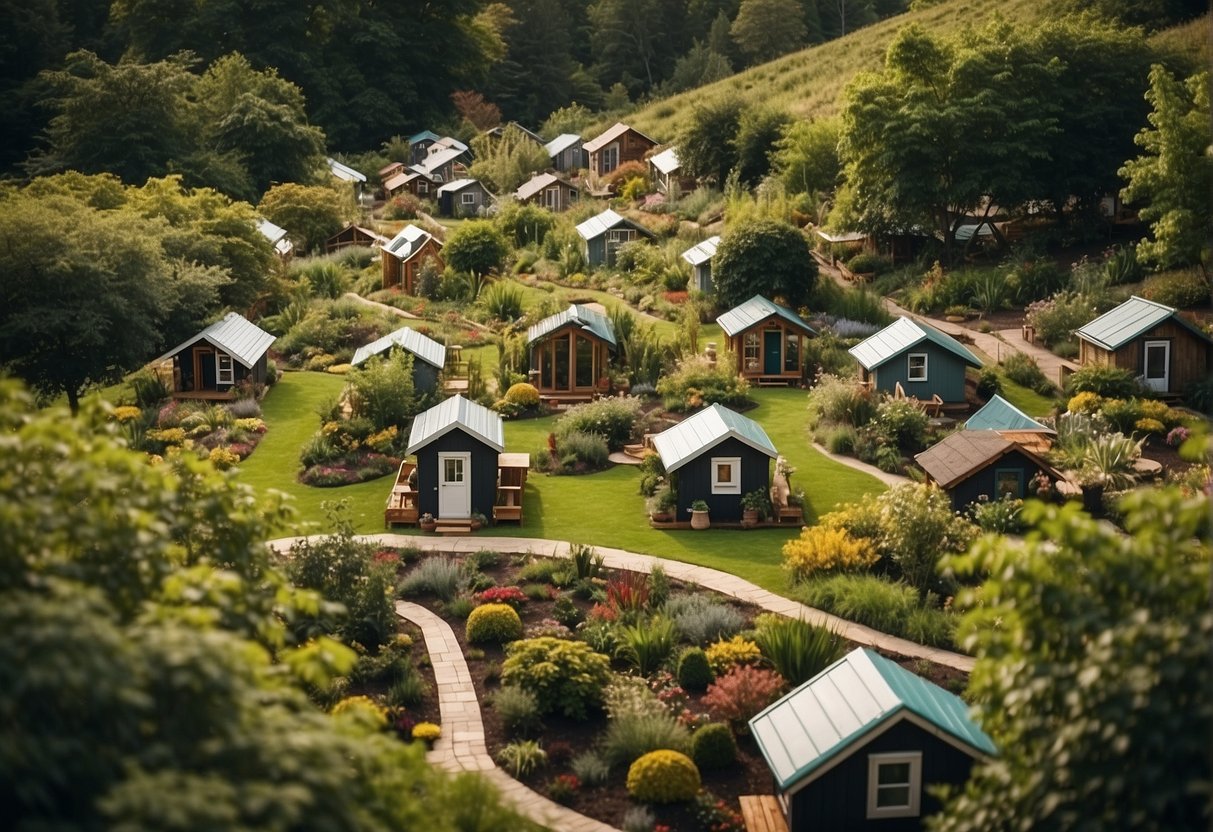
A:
(454, 485)
(1158, 365)
(772, 352)
(204, 368)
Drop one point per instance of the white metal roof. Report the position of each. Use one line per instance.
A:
(1120, 325)
(604, 222)
(457, 413)
(344, 172)
(408, 242)
(534, 185)
(427, 349)
(705, 430)
(235, 335)
(580, 315)
(899, 336)
(841, 236)
(702, 253)
(755, 310)
(456, 185)
(561, 143)
(436, 160)
(276, 235)
(666, 161)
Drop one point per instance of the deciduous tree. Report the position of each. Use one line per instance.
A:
(475, 247)
(766, 29)
(806, 156)
(763, 257)
(707, 149)
(309, 213)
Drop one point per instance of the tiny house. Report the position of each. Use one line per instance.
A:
(700, 257)
(666, 172)
(550, 191)
(861, 744)
(457, 444)
(979, 465)
(1011, 423)
(277, 236)
(354, 235)
(463, 198)
(429, 357)
(616, 145)
(213, 362)
(344, 173)
(768, 340)
(570, 351)
(567, 153)
(604, 233)
(919, 358)
(403, 256)
(718, 456)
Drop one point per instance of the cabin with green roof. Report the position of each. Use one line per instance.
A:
(768, 340)
(919, 358)
(570, 353)
(859, 745)
(1011, 423)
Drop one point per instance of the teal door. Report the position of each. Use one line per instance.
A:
(772, 353)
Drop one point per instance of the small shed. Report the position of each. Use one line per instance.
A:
(429, 357)
(550, 191)
(768, 340)
(355, 235)
(403, 255)
(1010, 422)
(443, 163)
(860, 744)
(604, 233)
(977, 465)
(570, 351)
(917, 356)
(213, 362)
(457, 444)
(498, 132)
(463, 198)
(666, 172)
(1151, 340)
(700, 257)
(719, 456)
(276, 234)
(616, 145)
(567, 153)
(389, 170)
(347, 174)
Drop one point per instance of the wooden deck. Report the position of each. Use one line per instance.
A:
(512, 469)
(762, 813)
(402, 500)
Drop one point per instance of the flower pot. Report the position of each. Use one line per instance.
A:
(428, 525)
(749, 517)
(661, 517)
(699, 519)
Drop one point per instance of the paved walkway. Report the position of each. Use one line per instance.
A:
(1050, 364)
(891, 480)
(399, 313)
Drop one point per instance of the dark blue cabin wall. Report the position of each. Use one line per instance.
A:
(695, 480)
(185, 365)
(969, 491)
(484, 472)
(945, 374)
(838, 800)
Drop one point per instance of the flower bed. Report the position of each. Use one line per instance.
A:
(223, 433)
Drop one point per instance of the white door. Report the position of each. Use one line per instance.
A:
(454, 485)
(1158, 365)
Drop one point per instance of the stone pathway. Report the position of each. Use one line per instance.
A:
(891, 480)
(399, 313)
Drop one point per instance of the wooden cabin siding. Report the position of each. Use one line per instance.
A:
(404, 274)
(695, 480)
(483, 473)
(945, 374)
(838, 800)
(543, 351)
(774, 326)
(570, 159)
(632, 147)
(1191, 358)
(701, 277)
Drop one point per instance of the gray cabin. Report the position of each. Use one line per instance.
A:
(567, 153)
(463, 198)
(919, 358)
(429, 357)
(457, 444)
(604, 233)
(212, 363)
(700, 257)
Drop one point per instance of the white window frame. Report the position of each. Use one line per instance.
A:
(551, 197)
(731, 485)
(224, 375)
(910, 810)
(423, 187)
(610, 158)
(910, 366)
(468, 198)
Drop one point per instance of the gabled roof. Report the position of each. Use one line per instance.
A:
(424, 135)
(600, 224)
(377, 238)
(611, 134)
(960, 455)
(841, 236)
(235, 335)
(403, 178)
(900, 336)
(584, 317)
(408, 242)
(1117, 327)
(456, 185)
(389, 167)
(825, 719)
(756, 310)
(344, 172)
(426, 349)
(538, 182)
(500, 129)
(276, 235)
(457, 414)
(702, 253)
(448, 141)
(561, 143)
(705, 430)
(999, 414)
(436, 160)
(666, 161)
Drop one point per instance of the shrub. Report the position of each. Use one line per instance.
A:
(868, 263)
(1056, 319)
(825, 549)
(522, 757)
(918, 527)
(542, 570)
(439, 575)
(645, 645)
(724, 655)
(563, 787)
(797, 649)
(575, 453)
(1108, 382)
(988, 383)
(628, 592)
(713, 747)
(1031, 280)
(694, 672)
(631, 736)
(503, 301)
(902, 422)
(695, 383)
(591, 769)
(494, 624)
(522, 394)
(741, 693)
(631, 696)
(564, 676)
(884, 605)
(566, 612)
(841, 401)
(638, 819)
(408, 691)
(1088, 403)
(1000, 516)
(1181, 289)
(663, 777)
(1122, 414)
(611, 419)
(1022, 369)
(701, 617)
(511, 595)
(518, 709)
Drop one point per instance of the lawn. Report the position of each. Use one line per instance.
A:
(1027, 400)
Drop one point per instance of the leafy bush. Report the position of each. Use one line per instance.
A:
(611, 418)
(631, 736)
(407, 691)
(518, 709)
(797, 649)
(867, 263)
(988, 383)
(694, 672)
(902, 423)
(503, 300)
(494, 624)
(701, 617)
(564, 676)
(1122, 414)
(918, 527)
(646, 645)
(439, 575)
(841, 401)
(841, 439)
(511, 595)
(884, 605)
(522, 394)
(1032, 280)
(1180, 290)
(1108, 382)
(1002, 516)
(590, 768)
(1056, 319)
(695, 383)
(723, 655)
(663, 777)
(630, 696)
(522, 757)
(713, 747)
(381, 390)
(576, 453)
(741, 693)
(822, 549)
(1022, 369)
(638, 819)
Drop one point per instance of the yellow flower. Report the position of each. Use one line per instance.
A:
(426, 731)
(127, 413)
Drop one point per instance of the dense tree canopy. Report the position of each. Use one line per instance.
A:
(475, 247)
(806, 156)
(763, 257)
(707, 148)
(310, 213)
(766, 29)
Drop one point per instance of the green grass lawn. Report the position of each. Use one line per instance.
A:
(1027, 400)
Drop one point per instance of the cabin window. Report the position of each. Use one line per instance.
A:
(585, 362)
(1008, 482)
(225, 373)
(726, 475)
(610, 158)
(621, 235)
(551, 198)
(423, 187)
(468, 198)
(917, 367)
(751, 352)
(894, 785)
(791, 352)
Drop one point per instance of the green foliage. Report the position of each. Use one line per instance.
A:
(1035, 278)
(1056, 319)
(382, 391)
(632, 735)
(523, 757)
(706, 147)
(518, 710)
(881, 604)
(525, 224)
(310, 213)
(576, 453)
(611, 418)
(503, 301)
(763, 257)
(645, 645)
(988, 383)
(841, 401)
(702, 617)
(586, 561)
(1003, 516)
(713, 747)
(695, 383)
(1180, 289)
(564, 676)
(902, 423)
(590, 768)
(806, 157)
(694, 672)
(1098, 641)
(1103, 381)
(765, 29)
(494, 624)
(917, 527)
(1022, 369)
(727, 653)
(507, 160)
(797, 649)
(475, 247)
(663, 777)
(440, 575)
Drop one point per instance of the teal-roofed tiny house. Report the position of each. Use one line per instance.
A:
(1011, 423)
(858, 746)
(605, 233)
(717, 456)
(213, 362)
(570, 353)
(768, 340)
(1151, 340)
(922, 360)
(429, 357)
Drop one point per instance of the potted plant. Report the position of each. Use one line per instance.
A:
(699, 515)
(1107, 465)
(755, 506)
(477, 520)
(427, 523)
(663, 504)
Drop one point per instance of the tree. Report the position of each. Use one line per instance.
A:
(573, 118)
(757, 132)
(766, 29)
(1092, 673)
(1172, 178)
(475, 247)
(508, 160)
(143, 641)
(536, 74)
(310, 213)
(1152, 14)
(763, 257)
(806, 157)
(707, 149)
(83, 293)
(698, 67)
(634, 42)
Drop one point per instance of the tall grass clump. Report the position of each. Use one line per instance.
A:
(701, 619)
(798, 649)
(438, 575)
(630, 737)
(892, 608)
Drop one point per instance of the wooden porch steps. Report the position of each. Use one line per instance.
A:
(453, 527)
(762, 813)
